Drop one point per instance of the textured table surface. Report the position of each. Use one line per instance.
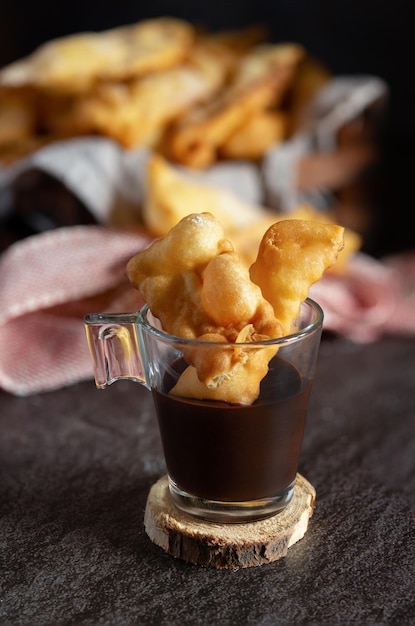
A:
(76, 466)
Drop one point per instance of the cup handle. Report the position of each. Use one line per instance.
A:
(115, 348)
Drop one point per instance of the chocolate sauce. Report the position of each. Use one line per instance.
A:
(228, 452)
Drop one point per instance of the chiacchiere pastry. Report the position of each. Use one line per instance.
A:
(199, 288)
(171, 194)
(195, 96)
(75, 63)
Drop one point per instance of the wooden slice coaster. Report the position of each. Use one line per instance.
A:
(227, 545)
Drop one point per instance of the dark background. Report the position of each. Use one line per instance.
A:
(348, 36)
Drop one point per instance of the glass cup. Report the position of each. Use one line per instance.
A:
(225, 462)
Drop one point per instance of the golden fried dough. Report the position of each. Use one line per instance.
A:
(171, 195)
(189, 245)
(241, 387)
(246, 239)
(293, 255)
(234, 297)
(197, 137)
(194, 96)
(74, 63)
(220, 368)
(261, 80)
(168, 273)
(264, 60)
(255, 136)
(136, 112)
(199, 288)
(195, 283)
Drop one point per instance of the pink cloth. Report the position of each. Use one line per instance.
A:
(374, 298)
(48, 282)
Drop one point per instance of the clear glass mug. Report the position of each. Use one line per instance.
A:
(225, 462)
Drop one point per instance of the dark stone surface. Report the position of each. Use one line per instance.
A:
(76, 466)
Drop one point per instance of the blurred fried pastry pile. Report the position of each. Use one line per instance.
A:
(172, 194)
(196, 97)
(196, 284)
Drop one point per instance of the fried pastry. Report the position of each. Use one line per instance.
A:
(196, 284)
(194, 96)
(73, 64)
(241, 387)
(246, 239)
(136, 112)
(255, 136)
(292, 256)
(199, 288)
(171, 195)
(262, 78)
